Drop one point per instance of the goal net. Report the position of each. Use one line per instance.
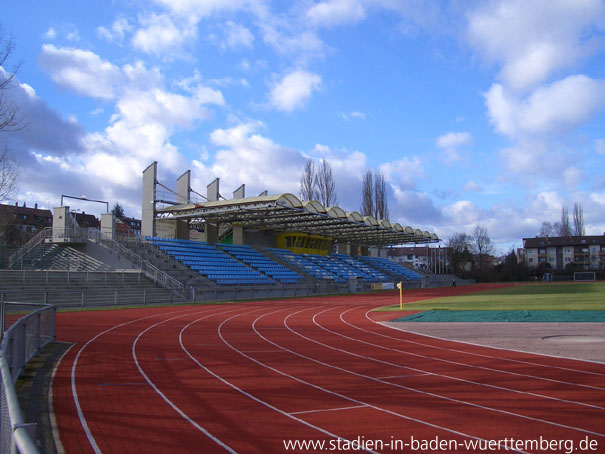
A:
(584, 276)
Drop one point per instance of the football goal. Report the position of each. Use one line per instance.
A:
(584, 276)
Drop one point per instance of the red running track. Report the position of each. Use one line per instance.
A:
(248, 377)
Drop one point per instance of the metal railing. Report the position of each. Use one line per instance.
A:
(153, 272)
(20, 343)
(22, 253)
(78, 234)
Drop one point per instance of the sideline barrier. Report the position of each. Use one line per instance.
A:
(20, 343)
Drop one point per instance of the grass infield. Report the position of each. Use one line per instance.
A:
(523, 297)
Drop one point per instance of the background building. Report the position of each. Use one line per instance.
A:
(587, 252)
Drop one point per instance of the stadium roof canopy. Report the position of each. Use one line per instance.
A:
(286, 213)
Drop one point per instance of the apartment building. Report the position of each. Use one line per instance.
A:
(586, 251)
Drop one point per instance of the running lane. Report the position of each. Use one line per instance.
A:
(244, 378)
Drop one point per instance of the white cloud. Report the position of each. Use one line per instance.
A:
(572, 176)
(50, 34)
(80, 70)
(555, 108)
(237, 36)
(117, 32)
(451, 142)
(299, 46)
(454, 139)
(533, 40)
(203, 8)
(355, 115)
(245, 156)
(462, 213)
(294, 90)
(335, 12)
(146, 116)
(403, 173)
(161, 36)
(471, 186)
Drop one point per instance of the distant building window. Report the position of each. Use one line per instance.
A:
(542, 251)
(542, 260)
(530, 260)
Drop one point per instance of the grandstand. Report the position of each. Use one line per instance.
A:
(216, 249)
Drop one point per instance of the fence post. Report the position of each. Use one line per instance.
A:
(2, 317)
(37, 322)
(145, 297)
(115, 297)
(83, 303)
(53, 321)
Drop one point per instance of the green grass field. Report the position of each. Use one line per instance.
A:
(548, 297)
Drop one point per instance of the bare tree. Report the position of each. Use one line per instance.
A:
(325, 186)
(9, 120)
(460, 244)
(482, 245)
(578, 219)
(307, 182)
(564, 227)
(381, 208)
(546, 229)
(367, 194)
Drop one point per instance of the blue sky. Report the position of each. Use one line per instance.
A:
(486, 113)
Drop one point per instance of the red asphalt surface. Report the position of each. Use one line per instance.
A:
(246, 377)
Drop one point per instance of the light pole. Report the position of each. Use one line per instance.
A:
(86, 199)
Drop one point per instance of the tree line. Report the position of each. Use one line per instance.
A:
(563, 226)
(317, 183)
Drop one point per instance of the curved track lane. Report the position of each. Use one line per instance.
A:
(242, 378)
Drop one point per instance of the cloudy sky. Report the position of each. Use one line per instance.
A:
(487, 112)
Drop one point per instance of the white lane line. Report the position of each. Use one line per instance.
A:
(350, 399)
(163, 396)
(404, 376)
(583, 404)
(548, 366)
(509, 413)
(501, 371)
(304, 412)
(247, 394)
(74, 391)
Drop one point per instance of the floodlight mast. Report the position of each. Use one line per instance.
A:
(86, 199)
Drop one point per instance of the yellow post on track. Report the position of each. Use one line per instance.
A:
(400, 287)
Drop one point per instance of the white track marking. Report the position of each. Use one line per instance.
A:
(247, 394)
(507, 372)
(548, 366)
(51, 406)
(327, 409)
(405, 376)
(163, 396)
(74, 390)
(465, 365)
(509, 413)
(350, 399)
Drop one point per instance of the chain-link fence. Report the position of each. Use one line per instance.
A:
(32, 326)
